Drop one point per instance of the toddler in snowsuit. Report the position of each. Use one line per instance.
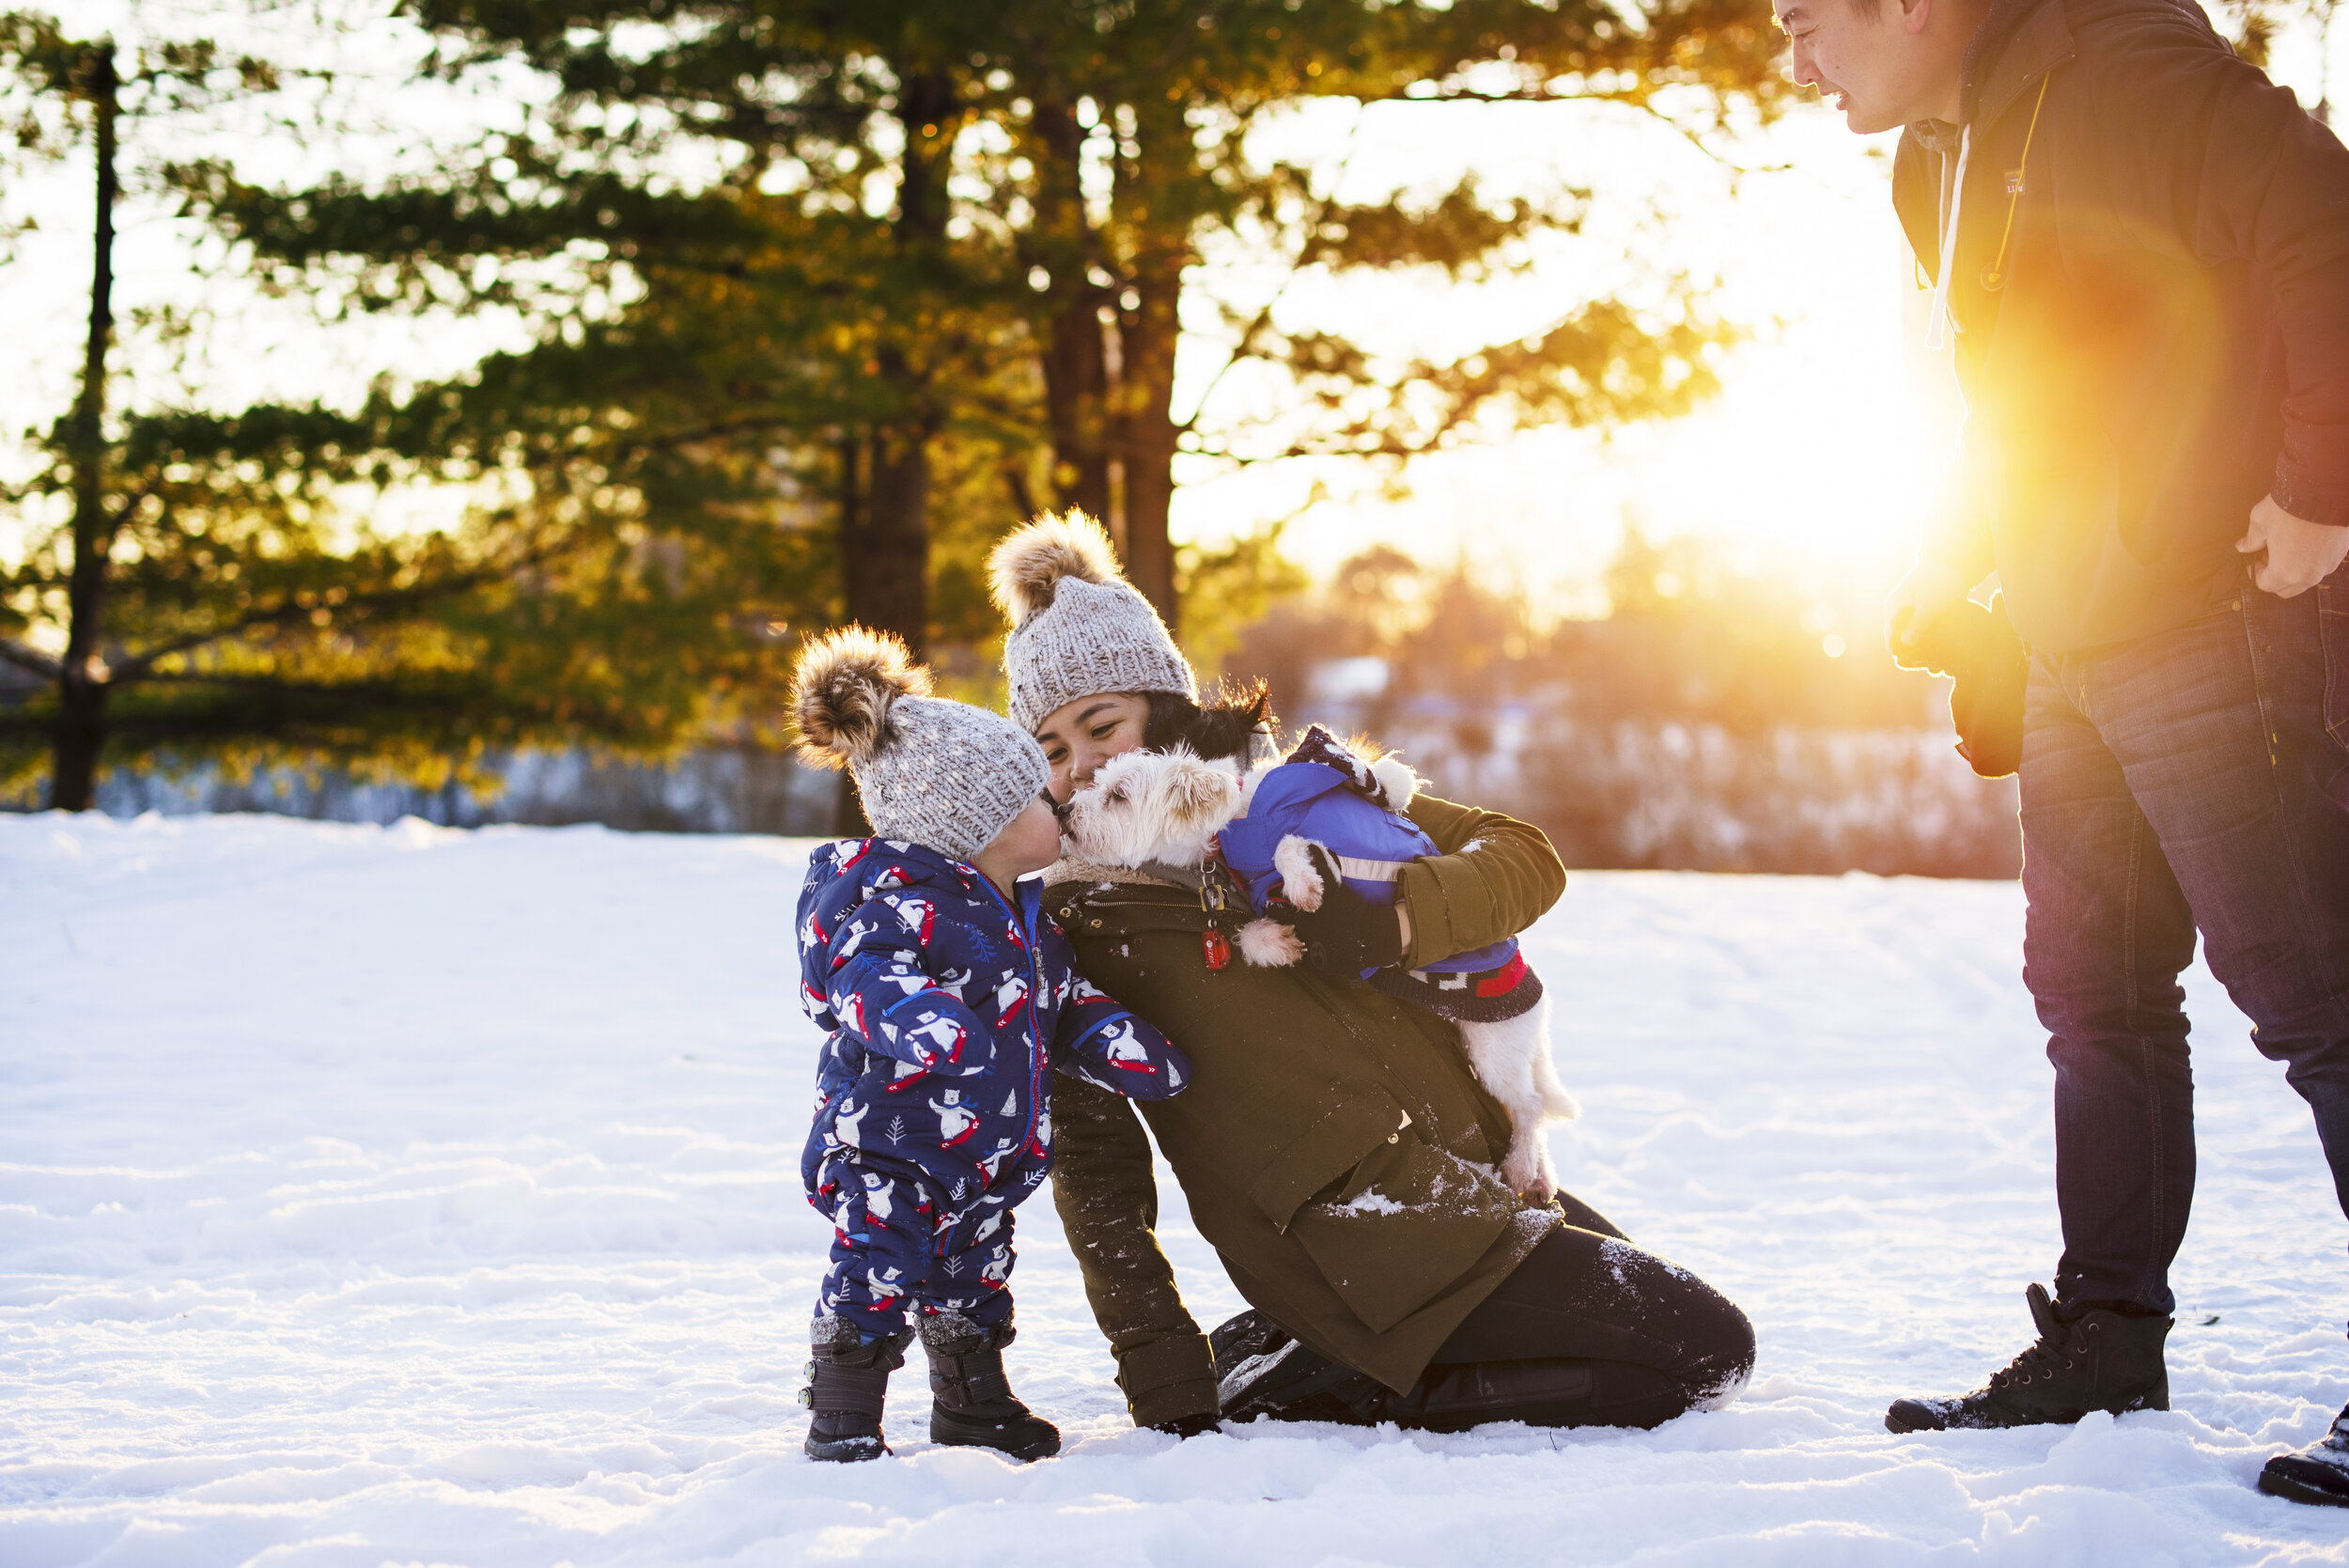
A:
(950, 998)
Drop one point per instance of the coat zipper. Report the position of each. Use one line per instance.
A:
(1035, 1041)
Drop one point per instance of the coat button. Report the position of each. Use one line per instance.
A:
(1395, 1138)
(1094, 922)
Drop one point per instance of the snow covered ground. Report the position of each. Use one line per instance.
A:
(398, 1195)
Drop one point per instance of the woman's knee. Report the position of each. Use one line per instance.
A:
(1724, 1355)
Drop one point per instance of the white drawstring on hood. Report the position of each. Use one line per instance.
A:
(1939, 324)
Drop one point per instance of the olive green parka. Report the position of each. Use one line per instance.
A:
(1334, 1145)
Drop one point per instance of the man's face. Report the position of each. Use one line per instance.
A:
(1884, 63)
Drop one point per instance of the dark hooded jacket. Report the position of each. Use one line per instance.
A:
(2166, 339)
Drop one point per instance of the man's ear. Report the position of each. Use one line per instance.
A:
(1915, 14)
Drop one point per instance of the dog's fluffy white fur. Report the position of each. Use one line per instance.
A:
(1512, 1060)
(1144, 806)
(1168, 806)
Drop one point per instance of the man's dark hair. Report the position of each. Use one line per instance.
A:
(1221, 729)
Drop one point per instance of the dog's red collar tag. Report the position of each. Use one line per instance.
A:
(1215, 898)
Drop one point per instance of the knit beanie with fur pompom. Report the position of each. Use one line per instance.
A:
(1078, 627)
(930, 772)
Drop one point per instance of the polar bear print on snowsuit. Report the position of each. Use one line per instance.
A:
(919, 1184)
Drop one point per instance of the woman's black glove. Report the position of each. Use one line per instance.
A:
(1349, 933)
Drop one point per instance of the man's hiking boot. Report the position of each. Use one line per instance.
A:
(972, 1404)
(848, 1381)
(2318, 1473)
(2087, 1358)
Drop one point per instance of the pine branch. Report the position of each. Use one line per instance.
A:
(394, 599)
(27, 658)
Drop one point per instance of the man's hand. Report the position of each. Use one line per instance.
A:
(2297, 555)
(1917, 600)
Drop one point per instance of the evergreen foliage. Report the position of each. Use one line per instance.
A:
(922, 227)
(820, 300)
(218, 583)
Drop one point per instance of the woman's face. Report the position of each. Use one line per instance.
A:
(1079, 736)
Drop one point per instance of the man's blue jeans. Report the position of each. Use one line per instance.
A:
(2196, 778)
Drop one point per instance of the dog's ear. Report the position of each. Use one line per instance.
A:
(1201, 792)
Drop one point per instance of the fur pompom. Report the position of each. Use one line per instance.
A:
(841, 692)
(1025, 568)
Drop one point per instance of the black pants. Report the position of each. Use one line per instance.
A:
(1621, 1336)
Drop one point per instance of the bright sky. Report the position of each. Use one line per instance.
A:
(1824, 442)
(1826, 435)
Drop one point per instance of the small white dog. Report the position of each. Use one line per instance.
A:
(1165, 808)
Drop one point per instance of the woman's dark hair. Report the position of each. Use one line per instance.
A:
(1236, 710)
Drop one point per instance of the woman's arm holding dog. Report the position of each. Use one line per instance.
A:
(1109, 1208)
(1496, 877)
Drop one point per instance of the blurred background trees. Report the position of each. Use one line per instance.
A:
(804, 306)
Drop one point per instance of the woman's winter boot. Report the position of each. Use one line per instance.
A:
(972, 1404)
(847, 1380)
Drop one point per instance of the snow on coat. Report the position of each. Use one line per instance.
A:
(948, 1006)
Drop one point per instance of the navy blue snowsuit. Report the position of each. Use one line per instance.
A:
(948, 1006)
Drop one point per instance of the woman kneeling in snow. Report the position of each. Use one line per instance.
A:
(1335, 1146)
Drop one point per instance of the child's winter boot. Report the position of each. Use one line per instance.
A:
(847, 1380)
(972, 1402)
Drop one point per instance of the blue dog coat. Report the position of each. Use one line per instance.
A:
(1323, 792)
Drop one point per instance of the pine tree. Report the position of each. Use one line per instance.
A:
(988, 215)
(211, 584)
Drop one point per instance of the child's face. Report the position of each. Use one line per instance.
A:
(1030, 841)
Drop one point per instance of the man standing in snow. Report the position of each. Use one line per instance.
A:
(2139, 248)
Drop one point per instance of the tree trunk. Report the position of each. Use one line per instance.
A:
(887, 538)
(848, 810)
(81, 735)
(1146, 432)
(885, 544)
(81, 685)
(1076, 363)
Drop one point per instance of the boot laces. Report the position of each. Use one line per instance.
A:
(2038, 1363)
(2336, 1436)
